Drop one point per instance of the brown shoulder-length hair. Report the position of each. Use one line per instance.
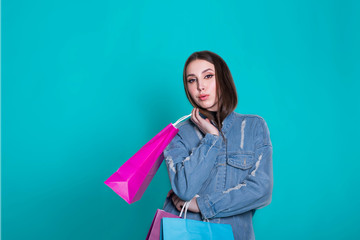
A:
(225, 87)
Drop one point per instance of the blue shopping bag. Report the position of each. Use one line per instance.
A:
(188, 229)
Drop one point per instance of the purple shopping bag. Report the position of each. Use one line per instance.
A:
(154, 231)
(134, 176)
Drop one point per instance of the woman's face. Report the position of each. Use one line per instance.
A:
(201, 83)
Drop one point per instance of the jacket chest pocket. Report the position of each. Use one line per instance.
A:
(238, 167)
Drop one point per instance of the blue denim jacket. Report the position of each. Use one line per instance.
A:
(232, 176)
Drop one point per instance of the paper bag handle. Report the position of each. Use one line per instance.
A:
(182, 118)
(186, 206)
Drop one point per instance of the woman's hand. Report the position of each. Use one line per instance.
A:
(193, 207)
(203, 124)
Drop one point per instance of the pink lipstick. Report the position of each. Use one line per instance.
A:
(203, 97)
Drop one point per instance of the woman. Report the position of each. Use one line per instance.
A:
(220, 159)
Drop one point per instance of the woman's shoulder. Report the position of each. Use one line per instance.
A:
(254, 121)
(184, 124)
(249, 117)
(189, 125)
(257, 124)
(186, 127)
(189, 132)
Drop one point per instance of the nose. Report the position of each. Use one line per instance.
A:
(200, 85)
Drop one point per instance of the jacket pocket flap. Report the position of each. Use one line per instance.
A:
(241, 160)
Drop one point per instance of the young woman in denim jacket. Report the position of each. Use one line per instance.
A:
(220, 159)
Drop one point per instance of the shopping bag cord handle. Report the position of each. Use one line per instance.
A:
(182, 118)
(186, 206)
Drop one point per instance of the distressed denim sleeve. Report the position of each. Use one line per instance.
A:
(254, 192)
(188, 169)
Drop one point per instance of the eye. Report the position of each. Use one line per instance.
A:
(191, 80)
(209, 76)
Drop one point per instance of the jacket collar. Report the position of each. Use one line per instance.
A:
(227, 122)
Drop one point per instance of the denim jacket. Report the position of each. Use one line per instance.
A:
(232, 175)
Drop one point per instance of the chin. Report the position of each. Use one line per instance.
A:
(213, 108)
(205, 105)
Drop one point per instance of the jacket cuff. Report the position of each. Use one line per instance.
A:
(207, 207)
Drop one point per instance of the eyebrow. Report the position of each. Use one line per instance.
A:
(191, 74)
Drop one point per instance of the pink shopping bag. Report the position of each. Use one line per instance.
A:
(134, 176)
(154, 231)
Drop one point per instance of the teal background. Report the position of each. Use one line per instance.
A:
(86, 83)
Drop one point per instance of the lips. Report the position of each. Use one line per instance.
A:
(203, 97)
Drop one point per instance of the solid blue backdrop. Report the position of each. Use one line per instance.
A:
(86, 83)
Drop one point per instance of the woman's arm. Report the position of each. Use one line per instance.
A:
(178, 203)
(188, 169)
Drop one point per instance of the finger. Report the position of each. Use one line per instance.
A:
(193, 116)
(169, 193)
(177, 206)
(201, 119)
(197, 115)
(192, 113)
(180, 204)
(174, 198)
